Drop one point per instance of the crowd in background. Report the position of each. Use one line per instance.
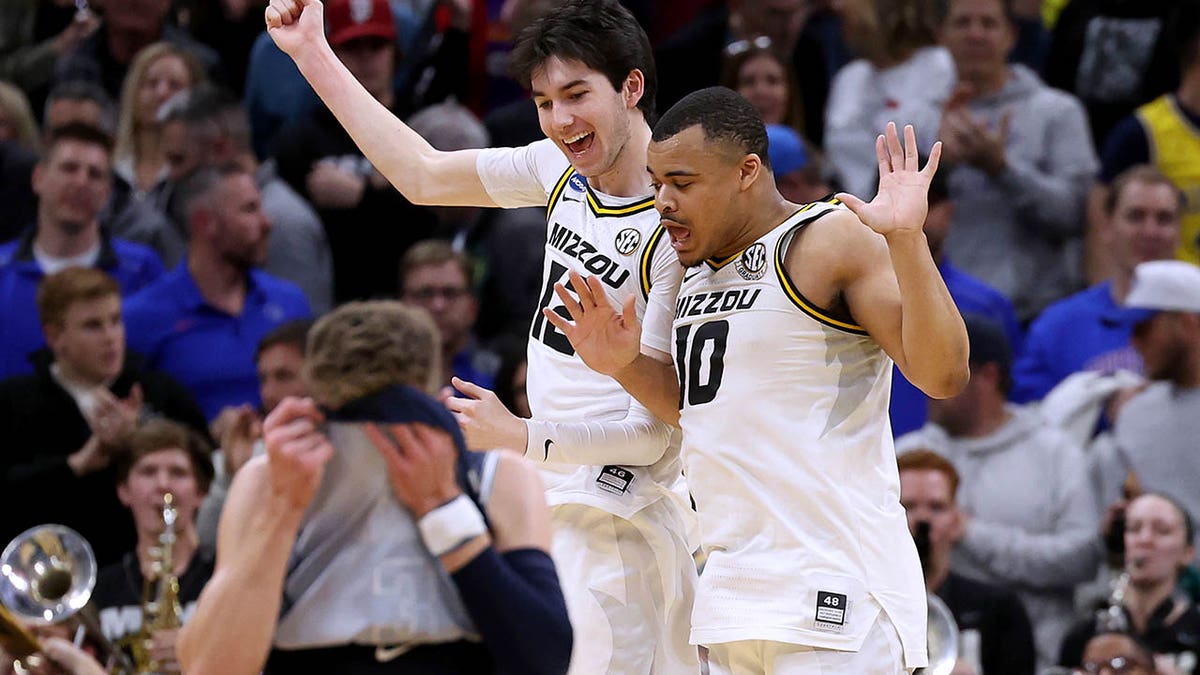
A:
(176, 205)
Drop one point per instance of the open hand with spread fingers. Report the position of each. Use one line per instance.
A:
(485, 422)
(902, 202)
(606, 339)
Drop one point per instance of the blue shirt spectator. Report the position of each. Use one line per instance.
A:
(73, 181)
(132, 264)
(910, 406)
(1091, 329)
(1086, 331)
(210, 351)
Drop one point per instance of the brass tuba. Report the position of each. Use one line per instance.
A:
(160, 594)
(47, 574)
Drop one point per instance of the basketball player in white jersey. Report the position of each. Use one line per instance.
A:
(622, 522)
(787, 323)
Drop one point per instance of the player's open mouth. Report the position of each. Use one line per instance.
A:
(680, 236)
(579, 144)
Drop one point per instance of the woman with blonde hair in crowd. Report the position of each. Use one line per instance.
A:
(158, 72)
(16, 117)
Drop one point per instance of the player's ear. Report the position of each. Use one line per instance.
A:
(751, 170)
(633, 88)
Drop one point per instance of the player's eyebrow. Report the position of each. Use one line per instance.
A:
(674, 174)
(570, 85)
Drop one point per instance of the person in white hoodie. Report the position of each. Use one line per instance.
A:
(1021, 162)
(1031, 519)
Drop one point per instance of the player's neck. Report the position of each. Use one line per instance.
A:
(766, 210)
(628, 176)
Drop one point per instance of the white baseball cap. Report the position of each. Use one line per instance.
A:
(1166, 286)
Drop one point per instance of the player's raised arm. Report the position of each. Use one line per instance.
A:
(424, 175)
(905, 306)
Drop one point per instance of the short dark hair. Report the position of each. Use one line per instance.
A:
(724, 116)
(79, 133)
(292, 334)
(989, 344)
(209, 111)
(431, 252)
(197, 186)
(1144, 653)
(162, 434)
(602, 34)
(84, 90)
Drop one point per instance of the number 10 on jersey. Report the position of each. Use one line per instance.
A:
(694, 355)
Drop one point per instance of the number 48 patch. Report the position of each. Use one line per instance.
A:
(831, 612)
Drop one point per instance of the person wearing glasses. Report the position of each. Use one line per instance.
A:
(439, 279)
(1116, 654)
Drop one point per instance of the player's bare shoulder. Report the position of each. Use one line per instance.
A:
(830, 250)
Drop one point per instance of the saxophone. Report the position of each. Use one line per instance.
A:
(160, 595)
(1112, 619)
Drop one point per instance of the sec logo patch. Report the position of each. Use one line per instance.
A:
(752, 264)
(627, 241)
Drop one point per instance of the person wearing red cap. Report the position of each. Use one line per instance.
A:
(623, 525)
(319, 160)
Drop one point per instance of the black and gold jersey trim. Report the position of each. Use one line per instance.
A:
(603, 211)
(648, 259)
(717, 263)
(557, 191)
(789, 289)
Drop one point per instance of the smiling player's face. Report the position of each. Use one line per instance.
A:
(580, 111)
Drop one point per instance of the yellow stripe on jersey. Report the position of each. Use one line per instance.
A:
(785, 282)
(629, 209)
(558, 188)
(648, 258)
(717, 263)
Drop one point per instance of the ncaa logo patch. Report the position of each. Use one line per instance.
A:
(627, 241)
(753, 262)
(578, 183)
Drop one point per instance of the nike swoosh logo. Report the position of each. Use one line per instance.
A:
(689, 277)
(569, 199)
(546, 450)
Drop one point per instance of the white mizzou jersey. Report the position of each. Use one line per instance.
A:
(788, 453)
(621, 242)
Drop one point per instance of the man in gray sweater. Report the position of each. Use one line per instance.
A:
(1021, 160)
(1155, 431)
(1031, 520)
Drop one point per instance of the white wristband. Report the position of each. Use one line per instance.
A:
(451, 525)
